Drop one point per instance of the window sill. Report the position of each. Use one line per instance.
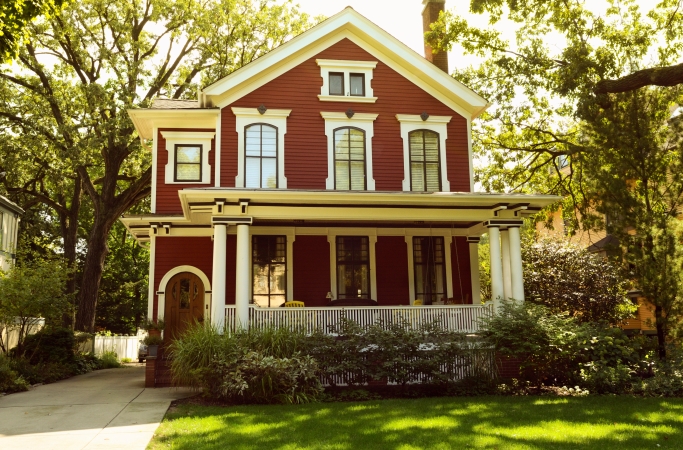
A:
(348, 99)
(187, 182)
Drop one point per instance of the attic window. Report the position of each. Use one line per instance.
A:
(346, 81)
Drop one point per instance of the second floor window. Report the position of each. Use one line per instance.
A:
(260, 156)
(188, 163)
(425, 171)
(349, 159)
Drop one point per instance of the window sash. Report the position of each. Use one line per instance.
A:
(429, 255)
(425, 161)
(269, 271)
(354, 79)
(185, 166)
(339, 77)
(353, 267)
(261, 156)
(349, 159)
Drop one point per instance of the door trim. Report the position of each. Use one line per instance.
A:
(161, 291)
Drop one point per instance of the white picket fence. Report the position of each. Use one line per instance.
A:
(123, 346)
(463, 318)
(10, 335)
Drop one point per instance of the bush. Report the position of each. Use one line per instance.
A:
(49, 345)
(109, 360)
(152, 340)
(10, 380)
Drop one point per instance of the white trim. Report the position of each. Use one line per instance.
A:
(474, 273)
(470, 153)
(332, 240)
(447, 236)
(346, 67)
(371, 234)
(438, 124)
(217, 169)
(348, 24)
(290, 233)
(411, 268)
(150, 283)
(155, 158)
(274, 117)
(202, 138)
(363, 121)
(161, 304)
(146, 119)
(449, 263)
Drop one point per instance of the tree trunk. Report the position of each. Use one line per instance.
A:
(69, 226)
(92, 274)
(661, 332)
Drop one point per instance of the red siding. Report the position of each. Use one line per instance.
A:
(311, 270)
(172, 252)
(230, 268)
(392, 271)
(460, 264)
(306, 143)
(167, 201)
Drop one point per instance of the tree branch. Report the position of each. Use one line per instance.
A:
(655, 76)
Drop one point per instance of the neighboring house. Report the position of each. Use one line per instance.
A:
(9, 231)
(336, 171)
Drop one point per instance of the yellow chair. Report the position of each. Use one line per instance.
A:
(417, 303)
(294, 304)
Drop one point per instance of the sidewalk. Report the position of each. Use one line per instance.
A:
(105, 409)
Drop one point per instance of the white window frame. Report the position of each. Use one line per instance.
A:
(202, 138)
(362, 121)
(437, 124)
(347, 68)
(447, 242)
(251, 116)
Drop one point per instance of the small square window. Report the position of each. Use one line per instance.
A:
(357, 81)
(188, 163)
(336, 83)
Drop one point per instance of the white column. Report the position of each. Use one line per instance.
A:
(473, 241)
(516, 264)
(496, 267)
(218, 273)
(151, 284)
(505, 252)
(242, 276)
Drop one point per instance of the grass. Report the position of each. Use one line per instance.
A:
(431, 423)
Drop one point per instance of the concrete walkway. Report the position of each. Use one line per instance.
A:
(106, 409)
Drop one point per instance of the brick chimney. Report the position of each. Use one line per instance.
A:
(430, 15)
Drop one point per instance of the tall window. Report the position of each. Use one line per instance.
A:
(188, 163)
(269, 267)
(353, 267)
(425, 173)
(349, 159)
(430, 269)
(261, 156)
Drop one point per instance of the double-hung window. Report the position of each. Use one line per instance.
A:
(425, 168)
(269, 270)
(261, 156)
(429, 268)
(188, 163)
(349, 159)
(353, 267)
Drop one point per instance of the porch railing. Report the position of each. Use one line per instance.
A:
(463, 318)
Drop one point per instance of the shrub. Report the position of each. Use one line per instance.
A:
(49, 345)
(109, 360)
(10, 380)
(152, 340)
(126, 360)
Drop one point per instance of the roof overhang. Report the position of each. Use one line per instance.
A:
(145, 120)
(201, 207)
(352, 25)
(7, 204)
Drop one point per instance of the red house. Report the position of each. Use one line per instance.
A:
(335, 171)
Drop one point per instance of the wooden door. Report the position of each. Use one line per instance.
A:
(184, 303)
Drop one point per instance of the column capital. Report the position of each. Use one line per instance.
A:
(503, 223)
(226, 220)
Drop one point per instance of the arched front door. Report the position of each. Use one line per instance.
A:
(184, 303)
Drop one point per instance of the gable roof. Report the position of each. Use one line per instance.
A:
(373, 39)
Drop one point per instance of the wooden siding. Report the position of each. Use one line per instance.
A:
(306, 142)
(392, 271)
(311, 267)
(167, 201)
(643, 319)
(460, 266)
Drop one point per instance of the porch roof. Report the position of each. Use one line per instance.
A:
(323, 208)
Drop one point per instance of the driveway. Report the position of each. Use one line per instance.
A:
(105, 409)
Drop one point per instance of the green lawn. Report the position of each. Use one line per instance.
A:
(432, 423)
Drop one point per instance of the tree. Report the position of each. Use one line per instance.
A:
(83, 68)
(622, 150)
(15, 16)
(30, 293)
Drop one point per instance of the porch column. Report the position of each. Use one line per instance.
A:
(220, 237)
(505, 252)
(242, 276)
(496, 266)
(516, 263)
(473, 242)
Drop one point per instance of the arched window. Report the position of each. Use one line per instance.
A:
(425, 173)
(260, 156)
(349, 159)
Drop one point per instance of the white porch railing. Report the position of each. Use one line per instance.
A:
(462, 318)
